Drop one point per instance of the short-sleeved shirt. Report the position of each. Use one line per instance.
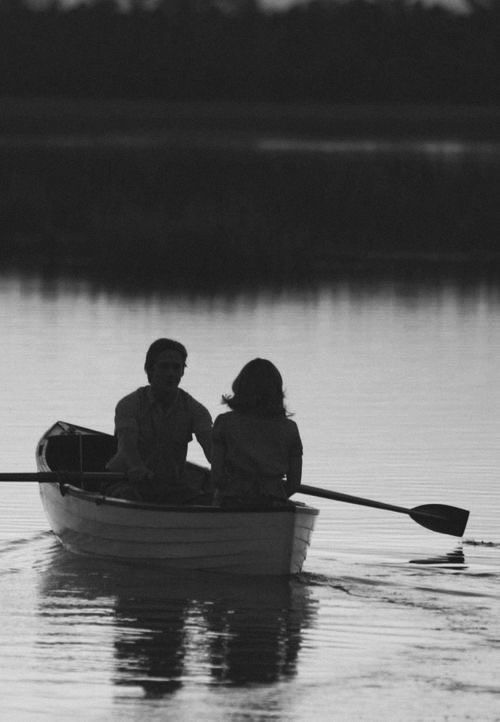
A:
(162, 435)
(257, 452)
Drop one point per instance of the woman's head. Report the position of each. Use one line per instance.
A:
(258, 389)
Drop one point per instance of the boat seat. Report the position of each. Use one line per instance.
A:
(91, 452)
(75, 452)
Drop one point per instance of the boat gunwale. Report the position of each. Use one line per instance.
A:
(100, 500)
(70, 509)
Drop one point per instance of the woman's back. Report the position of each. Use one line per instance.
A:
(257, 445)
(256, 448)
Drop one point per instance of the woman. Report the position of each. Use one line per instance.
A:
(256, 448)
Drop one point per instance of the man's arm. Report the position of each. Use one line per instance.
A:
(128, 448)
(127, 457)
(218, 465)
(218, 457)
(203, 430)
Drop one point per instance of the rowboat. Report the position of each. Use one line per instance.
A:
(72, 459)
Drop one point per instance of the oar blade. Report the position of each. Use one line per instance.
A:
(441, 518)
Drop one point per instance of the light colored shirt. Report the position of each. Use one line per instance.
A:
(161, 435)
(256, 453)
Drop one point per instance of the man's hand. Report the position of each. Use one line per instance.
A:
(139, 474)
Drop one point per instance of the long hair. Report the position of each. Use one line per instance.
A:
(258, 389)
(158, 347)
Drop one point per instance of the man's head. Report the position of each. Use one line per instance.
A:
(165, 364)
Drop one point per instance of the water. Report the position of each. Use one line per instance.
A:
(396, 390)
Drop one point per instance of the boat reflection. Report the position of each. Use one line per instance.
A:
(150, 643)
(170, 629)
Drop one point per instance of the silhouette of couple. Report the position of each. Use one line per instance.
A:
(254, 449)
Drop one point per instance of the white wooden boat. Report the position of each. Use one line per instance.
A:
(270, 541)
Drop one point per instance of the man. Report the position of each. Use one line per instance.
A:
(154, 425)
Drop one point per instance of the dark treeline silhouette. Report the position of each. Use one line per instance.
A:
(357, 51)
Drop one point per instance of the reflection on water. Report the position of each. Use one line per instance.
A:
(394, 382)
(445, 149)
(166, 628)
(216, 209)
(249, 142)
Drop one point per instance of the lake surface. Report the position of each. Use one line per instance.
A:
(395, 387)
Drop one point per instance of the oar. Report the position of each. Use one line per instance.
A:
(437, 517)
(68, 477)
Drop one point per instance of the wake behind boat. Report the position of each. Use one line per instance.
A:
(261, 542)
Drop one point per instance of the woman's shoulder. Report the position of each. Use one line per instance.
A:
(283, 420)
(291, 424)
(289, 428)
(224, 418)
(222, 425)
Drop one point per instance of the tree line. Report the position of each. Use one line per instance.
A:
(354, 51)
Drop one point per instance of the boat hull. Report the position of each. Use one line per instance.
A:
(265, 542)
